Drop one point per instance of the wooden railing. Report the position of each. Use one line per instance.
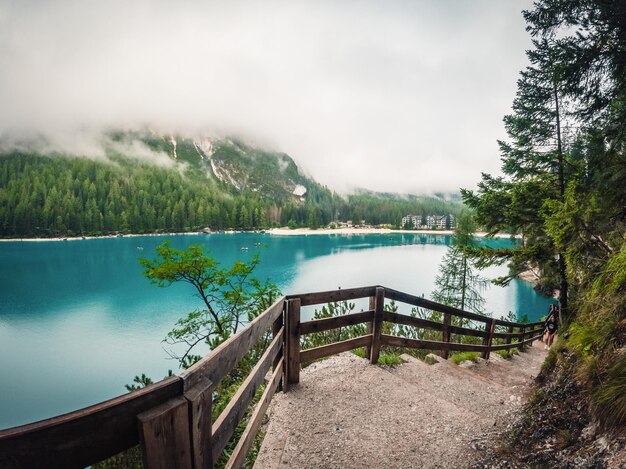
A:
(172, 419)
(517, 335)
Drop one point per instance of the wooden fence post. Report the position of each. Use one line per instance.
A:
(509, 338)
(522, 336)
(293, 342)
(377, 324)
(491, 327)
(445, 334)
(199, 403)
(164, 436)
(369, 326)
(276, 326)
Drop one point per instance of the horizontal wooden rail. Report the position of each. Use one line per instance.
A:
(396, 318)
(227, 422)
(428, 324)
(505, 335)
(432, 305)
(495, 347)
(332, 296)
(319, 325)
(502, 322)
(332, 349)
(238, 456)
(430, 344)
(84, 437)
(225, 357)
(535, 331)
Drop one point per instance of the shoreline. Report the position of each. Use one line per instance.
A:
(284, 231)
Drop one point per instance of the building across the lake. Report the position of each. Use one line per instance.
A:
(431, 222)
(413, 221)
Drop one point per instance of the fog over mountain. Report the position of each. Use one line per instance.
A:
(402, 96)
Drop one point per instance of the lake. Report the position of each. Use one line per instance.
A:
(78, 320)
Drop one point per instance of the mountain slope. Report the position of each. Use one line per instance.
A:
(143, 181)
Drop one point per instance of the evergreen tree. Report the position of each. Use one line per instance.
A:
(564, 164)
(457, 283)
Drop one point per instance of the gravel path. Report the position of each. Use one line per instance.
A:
(348, 414)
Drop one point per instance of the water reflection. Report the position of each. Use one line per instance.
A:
(80, 317)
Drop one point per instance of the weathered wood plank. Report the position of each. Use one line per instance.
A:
(200, 403)
(467, 331)
(432, 305)
(445, 333)
(428, 324)
(86, 436)
(505, 335)
(429, 344)
(397, 318)
(225, 357)
(535, 331)
(532, 339)
(164, 436)
(311, 354)
(502, 322)
(509, 335)
(238, 457)
(319, 325)
(307, 299)
(227, 421)
(377, 324)
(369, 327)
(276, 328)
(504, 346)
(489, 339)
(521, 337)
(292, 353)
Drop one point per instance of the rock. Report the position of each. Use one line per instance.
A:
(601, 443)
(432, 358)
(589, 431)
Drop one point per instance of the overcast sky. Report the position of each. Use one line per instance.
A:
(392, 96)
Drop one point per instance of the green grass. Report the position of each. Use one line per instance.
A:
(389, 359)
(460, 357)
(385, 358)
(610, 396)
(507, 353)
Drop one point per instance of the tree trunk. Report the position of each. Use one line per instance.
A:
(559, 151)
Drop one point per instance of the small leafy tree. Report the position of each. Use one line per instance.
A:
(229, 296)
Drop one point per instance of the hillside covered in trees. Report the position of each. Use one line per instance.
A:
(564, 190)
(183, 185)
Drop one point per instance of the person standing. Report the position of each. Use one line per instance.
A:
(551, 327)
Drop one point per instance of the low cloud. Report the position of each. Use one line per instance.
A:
(402, 96)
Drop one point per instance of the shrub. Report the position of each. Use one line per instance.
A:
(507, 353)
(460, 357)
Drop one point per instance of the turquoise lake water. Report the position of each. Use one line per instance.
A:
(78, 320)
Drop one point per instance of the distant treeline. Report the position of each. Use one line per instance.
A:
(53, 196)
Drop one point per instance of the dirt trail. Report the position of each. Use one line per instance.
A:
(346, 413)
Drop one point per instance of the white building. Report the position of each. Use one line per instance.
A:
(432, 222)
(413, 220)
(439, 222)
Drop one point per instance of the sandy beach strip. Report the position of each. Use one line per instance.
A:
(284, 231)
(363, 231)
(83, 238)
